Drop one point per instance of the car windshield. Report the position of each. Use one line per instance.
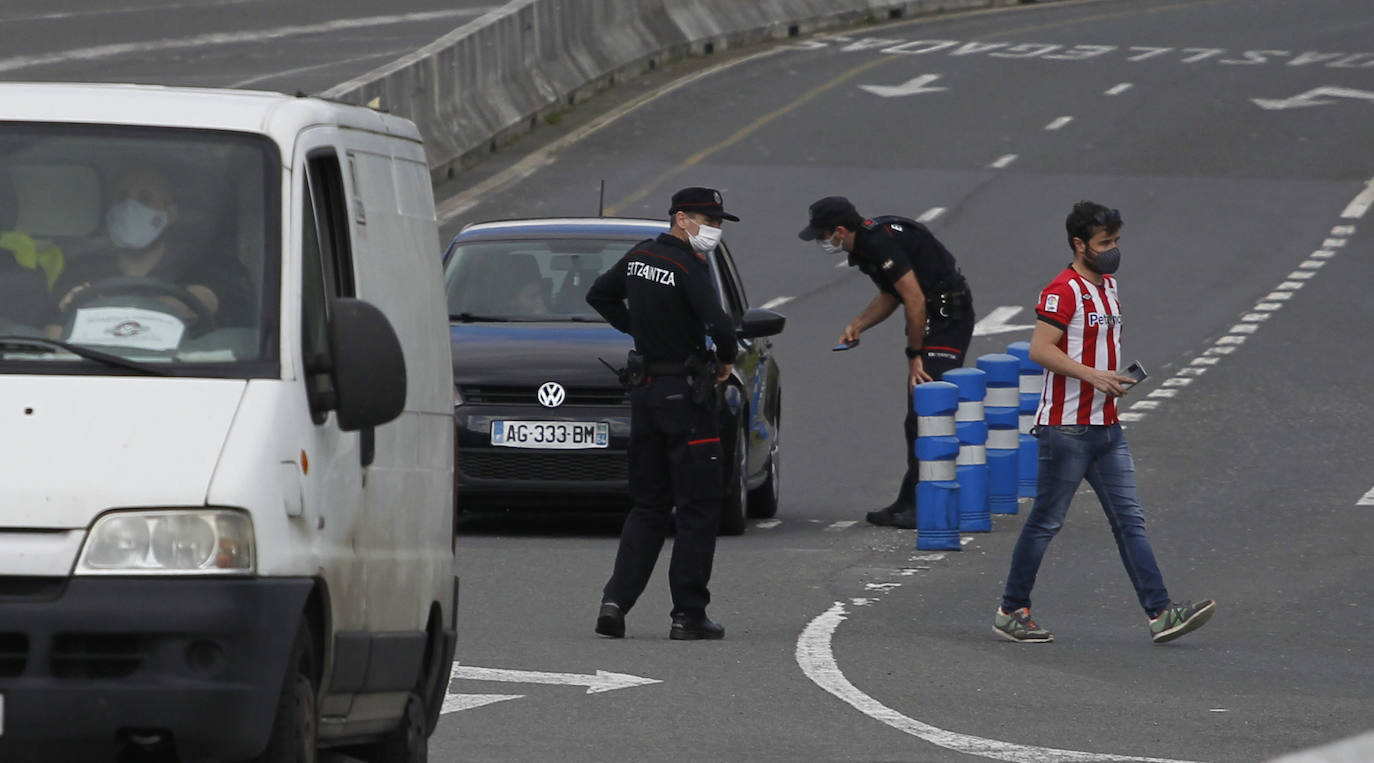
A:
(127, 248)
(537, 279)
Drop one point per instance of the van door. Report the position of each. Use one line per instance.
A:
(332, 463)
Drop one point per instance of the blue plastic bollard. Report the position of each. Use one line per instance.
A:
(1001, 411)
(1032, 381)
(937, 448)
(972, 463)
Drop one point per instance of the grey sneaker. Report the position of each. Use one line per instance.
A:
(1018, 626)
(1178, 619)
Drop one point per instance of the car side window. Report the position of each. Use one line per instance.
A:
(732, 296)
(326, 271)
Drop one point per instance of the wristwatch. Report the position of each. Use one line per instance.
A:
(913, 352)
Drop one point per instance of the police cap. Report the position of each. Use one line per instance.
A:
(828, 214)
(702, 201)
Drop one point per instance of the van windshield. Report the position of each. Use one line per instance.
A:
(149, 245)
(536, 279)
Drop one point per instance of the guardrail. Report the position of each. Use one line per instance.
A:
(494, 78)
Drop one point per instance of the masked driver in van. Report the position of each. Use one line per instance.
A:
(141, 223)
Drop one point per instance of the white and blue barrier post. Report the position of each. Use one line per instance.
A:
(1032, 381)
(937, 448)
(972, 463)
(1002, 411)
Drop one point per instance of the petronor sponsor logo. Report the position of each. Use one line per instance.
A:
(1102, 319)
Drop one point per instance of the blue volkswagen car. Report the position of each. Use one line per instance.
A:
(542, 420)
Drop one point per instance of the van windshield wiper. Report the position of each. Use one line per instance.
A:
(40, 343)
(466, 317)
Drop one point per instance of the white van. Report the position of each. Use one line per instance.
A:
(226, 428)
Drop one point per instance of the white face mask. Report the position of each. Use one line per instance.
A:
(830, 247)
(705, 239)
(133, 225)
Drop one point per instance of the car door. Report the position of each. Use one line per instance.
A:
(752, 364)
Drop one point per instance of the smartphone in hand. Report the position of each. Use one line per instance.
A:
(1136, 372)
(844, 346)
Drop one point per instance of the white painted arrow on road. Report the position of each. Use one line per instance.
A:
(602, 681)
(1317, 96)
(910, 87)
(995, 322)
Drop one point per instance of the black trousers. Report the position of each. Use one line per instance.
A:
(675, 460)
(945, 346)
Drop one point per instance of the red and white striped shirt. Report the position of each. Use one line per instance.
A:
(1090, 316)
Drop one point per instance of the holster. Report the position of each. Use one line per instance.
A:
(948, 302)
(701, 375)
(636, 370)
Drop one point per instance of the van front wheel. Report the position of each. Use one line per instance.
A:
(294, 726)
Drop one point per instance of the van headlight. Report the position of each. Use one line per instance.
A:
(169, 542)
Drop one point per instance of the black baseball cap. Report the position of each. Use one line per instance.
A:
(828, 214)
(703, 201)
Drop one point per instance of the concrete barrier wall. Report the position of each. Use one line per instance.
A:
(496, 77)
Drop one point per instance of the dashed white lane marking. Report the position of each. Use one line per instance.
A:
(1361, 203)
(1119, 89)
(835, 527)
(776, 302)
(930, 215)
(1251, 320)
(1003, 161)
(817, 661)
(768, 524)
(1367, 499)
(1058, 123)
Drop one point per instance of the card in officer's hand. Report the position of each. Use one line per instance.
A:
(844, 346)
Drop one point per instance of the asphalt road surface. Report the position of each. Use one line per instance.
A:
(1245, 278)
(284, 45)
(1234, 137)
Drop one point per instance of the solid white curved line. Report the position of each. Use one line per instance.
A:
(817, 661)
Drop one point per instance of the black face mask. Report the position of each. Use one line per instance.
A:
(1106, 262)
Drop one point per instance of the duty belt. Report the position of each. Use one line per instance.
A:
(665, 368)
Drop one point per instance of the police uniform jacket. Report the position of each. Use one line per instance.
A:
(672, 303)
(888, 247)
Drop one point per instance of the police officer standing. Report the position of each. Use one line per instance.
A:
(675, 451)
(914, 271)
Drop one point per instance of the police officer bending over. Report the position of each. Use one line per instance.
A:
(914, 271)
(675, 452)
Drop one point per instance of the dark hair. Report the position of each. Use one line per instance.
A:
(1086, 216)
(850, 222)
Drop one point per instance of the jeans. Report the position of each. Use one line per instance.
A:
(1068, 455)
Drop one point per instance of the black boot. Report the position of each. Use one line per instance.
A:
(897, 514)
(610, 621)
(694, 627)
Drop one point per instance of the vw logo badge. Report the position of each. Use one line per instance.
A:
(552, 394)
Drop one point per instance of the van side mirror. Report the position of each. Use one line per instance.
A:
(759, 322)
(369, 368)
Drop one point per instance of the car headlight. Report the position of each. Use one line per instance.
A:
(170, 542)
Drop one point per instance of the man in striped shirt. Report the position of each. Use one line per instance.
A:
(1077, 340)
